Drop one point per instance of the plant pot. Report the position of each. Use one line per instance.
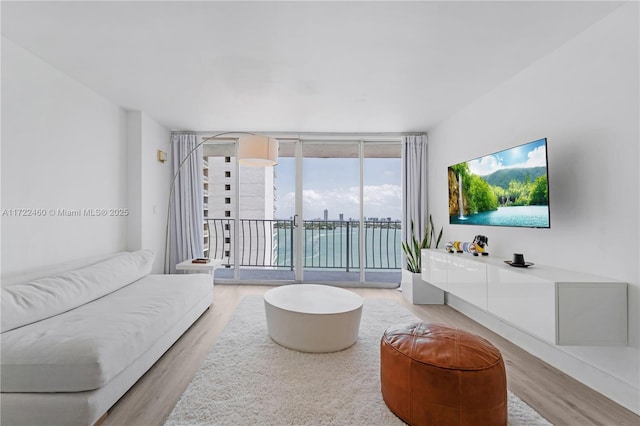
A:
(418, 291)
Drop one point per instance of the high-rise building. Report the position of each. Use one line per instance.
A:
(256, 190)
(256, 203)
(341, 217)
(326, 214)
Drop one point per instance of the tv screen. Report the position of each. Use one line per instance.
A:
(507, 188)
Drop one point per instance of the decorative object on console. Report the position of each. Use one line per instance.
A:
(518, 261)
(477, 246)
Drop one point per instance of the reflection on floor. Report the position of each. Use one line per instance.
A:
(373, 279)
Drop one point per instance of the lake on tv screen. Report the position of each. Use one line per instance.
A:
(525, 216)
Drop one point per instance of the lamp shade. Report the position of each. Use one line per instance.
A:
(257, 150)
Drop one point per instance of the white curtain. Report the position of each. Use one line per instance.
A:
(414, 184)
(186, 227)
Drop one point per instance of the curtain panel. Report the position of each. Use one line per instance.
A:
(186, 225)
(414, 185)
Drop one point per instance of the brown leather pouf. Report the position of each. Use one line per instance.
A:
(436, 375)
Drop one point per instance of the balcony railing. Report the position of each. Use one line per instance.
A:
(328, 244)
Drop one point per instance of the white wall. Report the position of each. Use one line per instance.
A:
(584, 98)
(148, 188)
(66, 147)
(134, 180)
(63, 147)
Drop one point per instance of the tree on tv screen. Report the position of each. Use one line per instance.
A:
(480, 196)
(540, 192)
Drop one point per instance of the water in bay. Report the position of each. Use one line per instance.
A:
(337, 247)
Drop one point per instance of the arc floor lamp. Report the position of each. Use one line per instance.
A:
(253, 150)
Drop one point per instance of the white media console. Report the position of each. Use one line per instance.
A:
(559, 306)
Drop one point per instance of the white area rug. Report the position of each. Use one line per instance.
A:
(248, 379)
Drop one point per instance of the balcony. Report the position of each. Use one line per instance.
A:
(330, 250)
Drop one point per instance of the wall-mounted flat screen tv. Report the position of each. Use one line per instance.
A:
(507, 188)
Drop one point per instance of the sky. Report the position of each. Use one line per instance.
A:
(333, 184)
(532, 154)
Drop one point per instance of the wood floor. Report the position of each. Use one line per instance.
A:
(559, 398)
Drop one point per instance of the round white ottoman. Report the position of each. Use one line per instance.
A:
(313, 317)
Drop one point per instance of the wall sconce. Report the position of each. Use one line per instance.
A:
(162, 156)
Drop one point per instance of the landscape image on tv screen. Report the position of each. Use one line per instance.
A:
(508, 188)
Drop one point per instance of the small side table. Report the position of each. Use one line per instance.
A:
(207, 268)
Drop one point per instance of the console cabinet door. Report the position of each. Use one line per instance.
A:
(525, 301)
(590, 314)
(468, 280)
(435, 268)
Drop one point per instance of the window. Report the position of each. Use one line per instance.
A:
(352, 226)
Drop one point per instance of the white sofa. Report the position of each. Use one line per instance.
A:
(73, 343)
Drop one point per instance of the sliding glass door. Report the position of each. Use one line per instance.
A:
(382, 201)
(347, 212)
(331, 200)
(328, 212)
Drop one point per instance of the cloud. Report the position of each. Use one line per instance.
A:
(310, 195)
(339, 200)
(485, 165)
(537, 157)
(382, 195)
(379, 200)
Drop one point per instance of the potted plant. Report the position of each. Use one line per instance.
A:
(413, 287)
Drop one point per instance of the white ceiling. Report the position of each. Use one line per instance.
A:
(295, 66)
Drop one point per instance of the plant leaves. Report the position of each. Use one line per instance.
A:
(412, 247)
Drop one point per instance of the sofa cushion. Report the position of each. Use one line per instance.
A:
(85, 348)
(43, 298)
